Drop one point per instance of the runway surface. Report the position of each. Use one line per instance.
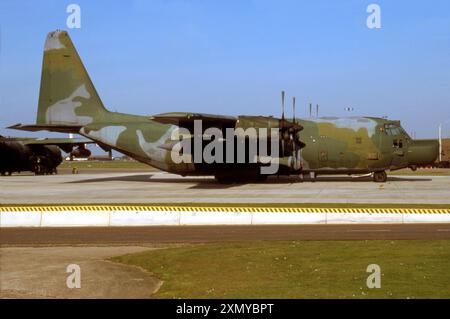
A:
(159, 187)
(198, 234)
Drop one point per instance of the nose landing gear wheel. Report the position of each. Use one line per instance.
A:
(380, 177)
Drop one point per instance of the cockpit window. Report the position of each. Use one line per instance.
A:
(392, 129)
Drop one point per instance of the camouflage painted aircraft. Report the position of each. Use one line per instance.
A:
(69, 103)
(41, 156)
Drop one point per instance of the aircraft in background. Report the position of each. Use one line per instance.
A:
(41, 156)
(69, 103)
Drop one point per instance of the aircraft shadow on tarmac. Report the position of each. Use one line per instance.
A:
(295, 180)
(210, 183)
(127, 178)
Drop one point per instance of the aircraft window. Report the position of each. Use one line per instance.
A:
(387, 129)
(395, 131)
(392, 129)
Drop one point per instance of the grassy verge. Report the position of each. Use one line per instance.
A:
(104, 164)
(311, 269)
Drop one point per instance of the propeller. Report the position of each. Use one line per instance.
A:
(294, 135)
(289, 135)
(293, 109)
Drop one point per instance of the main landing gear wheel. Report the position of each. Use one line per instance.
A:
(380, 177)
(39, 169)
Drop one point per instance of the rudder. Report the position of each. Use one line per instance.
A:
(67, 95)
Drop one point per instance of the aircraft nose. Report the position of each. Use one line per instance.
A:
(423, 152)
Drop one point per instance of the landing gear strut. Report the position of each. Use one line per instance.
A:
(380, 177)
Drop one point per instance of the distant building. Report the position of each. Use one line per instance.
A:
(126, 158)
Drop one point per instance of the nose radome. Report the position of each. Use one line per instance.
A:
(423, 152)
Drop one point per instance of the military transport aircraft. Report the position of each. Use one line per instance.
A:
(39, 155)
(69, 103)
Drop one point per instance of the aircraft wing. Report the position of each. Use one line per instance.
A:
(186, 120)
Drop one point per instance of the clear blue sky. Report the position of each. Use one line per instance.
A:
(233, 57)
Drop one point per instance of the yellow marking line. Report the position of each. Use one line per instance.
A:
(228, 209)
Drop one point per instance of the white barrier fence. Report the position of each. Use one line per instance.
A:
(111, 216)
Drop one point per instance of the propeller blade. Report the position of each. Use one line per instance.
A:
(293, 109)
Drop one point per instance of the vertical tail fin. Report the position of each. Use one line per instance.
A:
(67, 95)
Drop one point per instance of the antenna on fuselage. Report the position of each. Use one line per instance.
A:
(282, 105)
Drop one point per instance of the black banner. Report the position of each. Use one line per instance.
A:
(207, 308)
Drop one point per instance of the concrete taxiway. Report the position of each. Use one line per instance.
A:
(159, 187)
(30, 272)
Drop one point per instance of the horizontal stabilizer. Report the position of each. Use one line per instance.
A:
(47, 127)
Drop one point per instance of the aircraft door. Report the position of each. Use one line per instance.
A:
(397, 143)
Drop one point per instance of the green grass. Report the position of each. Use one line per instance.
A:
(116, 164)
(299, 269)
